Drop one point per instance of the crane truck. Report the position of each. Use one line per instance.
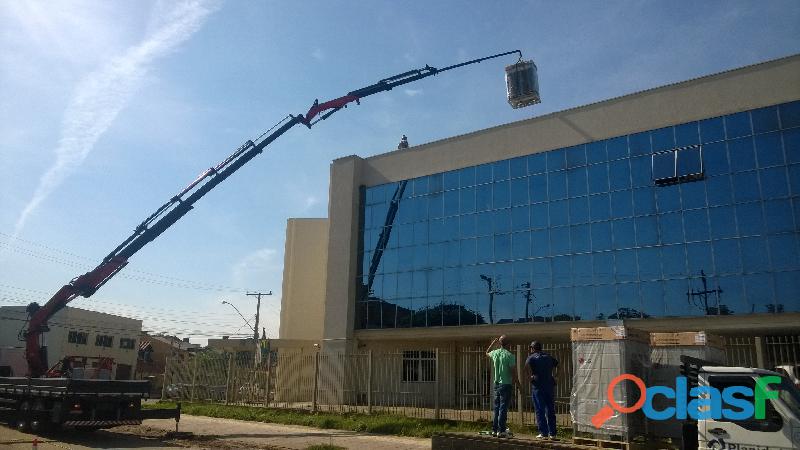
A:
(46, 398)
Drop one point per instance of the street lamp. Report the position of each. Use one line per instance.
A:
(240, 314)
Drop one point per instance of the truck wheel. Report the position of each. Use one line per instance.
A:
(22, 425)
(38, 426)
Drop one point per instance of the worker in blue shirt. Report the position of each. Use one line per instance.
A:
(542, 369)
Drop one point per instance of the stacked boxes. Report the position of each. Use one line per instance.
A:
(665, 356)
(600, 355)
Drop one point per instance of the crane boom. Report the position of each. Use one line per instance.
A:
(179, 205)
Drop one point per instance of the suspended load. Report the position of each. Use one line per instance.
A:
(522, 84)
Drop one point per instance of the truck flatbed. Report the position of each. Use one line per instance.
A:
(61, 387)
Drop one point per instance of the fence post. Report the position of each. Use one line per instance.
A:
(269, 377)
(369, 381)
(164, 378)
(519, 388)
(316, 382)
(436, 410)
(194, 378)
(760, 360)
(228, 380)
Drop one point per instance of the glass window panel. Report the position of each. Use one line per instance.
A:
(557, 185)
(668, 198)
(646, 230)
(598, 178)
(695, 223)
(641, 171)
(758, 288)
(467, 199)
(483, 197)
(601, 236)
(652, 299)
(675, 299)
(420, 256)
(579, 238)
(500, 195)
(435, 256)
(541, 272)
(502, 221)
(719, 191)
(453, 310)
(563, 307)
(501, 170)
(621, 204)
(576, 156)
(754, 254)
(783, 252)
(559, 240)
(605, 301)
(483, 174)
(698, 255)
(450, 180)
(578, 210)
(791, 145)
(643, 201)
(774, 183)
(700, 300)
(405, 234)
(649, 263)
(435, 183)
(639, 143)
(539, 215)
(484, 223)
(778, 215)
(629, 301)
(562, 271)
(542, 308)
(794, 179)
(603, 269)
(599, 207)
(738, 124)
(723, 222)
(596, 152)
(663, 165)
(715, 159)
(522, 306)
(790, 114)
(559, 213)
(689, 161)
(787, 292)
(663, 139)
(556, 160)
(743, 156)
(419, 286)
(468, 251)
(466, 177)
(485, 249)
(503, 274)
(420, 208)
(519, 167)
(686, 134)
(712, 130)
(731, 300)
(482, 308)
(468, 225)
(670, 228)
(537, 188)
(522, 274)
(624, 233)
(377, 287)
(537, 163)
(617, 148)
(362, 321)
(673, 261)
(726, 256)
(745, 187)
(404, 284)
(519, 191)
(584, 303)
(765, 119)
(750, 219)
(502, 247)
(421, 230)
(520, 218)
(420, 186)
(769, 150)
(619, 174)
(405, 211)
(576, 181)
(450, 203)
(625, 265)
(390, 260)
(420, 312)
(582, 269)
(435, 283)
(471, 278)
(693, 195)
(540, 243)
(436, 205)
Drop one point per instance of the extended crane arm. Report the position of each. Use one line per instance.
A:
(171, 211)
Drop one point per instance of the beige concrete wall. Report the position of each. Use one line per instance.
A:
(304, 274)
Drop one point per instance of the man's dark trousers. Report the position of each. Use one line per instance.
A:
(544, 403)
(502, 395)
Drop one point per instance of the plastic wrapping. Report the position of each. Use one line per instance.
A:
(596, 363)
(522, 84)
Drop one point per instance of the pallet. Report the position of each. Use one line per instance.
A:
(602, 443)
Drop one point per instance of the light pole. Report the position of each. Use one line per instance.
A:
(238, 312)
(255, 329)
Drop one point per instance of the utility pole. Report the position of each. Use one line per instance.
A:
(703, 295)
(255, 328)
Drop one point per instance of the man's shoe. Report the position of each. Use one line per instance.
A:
(553, 437)
(502, 434)
(540, 436)
(494, 433)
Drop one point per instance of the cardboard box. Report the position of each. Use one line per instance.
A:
(608, 334)
(688, 338)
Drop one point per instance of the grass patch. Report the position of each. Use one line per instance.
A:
(375, 423)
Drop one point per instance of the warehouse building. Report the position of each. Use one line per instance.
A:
(675, 208)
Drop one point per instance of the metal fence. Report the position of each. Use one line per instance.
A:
(441, 383)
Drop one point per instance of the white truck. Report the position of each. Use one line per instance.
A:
(778, 427)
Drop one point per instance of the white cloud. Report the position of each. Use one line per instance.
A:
(412, 92)
(310, 202)
(257, 268)
(318, 54)
(102, 94)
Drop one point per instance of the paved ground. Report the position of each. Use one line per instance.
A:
(208, 432)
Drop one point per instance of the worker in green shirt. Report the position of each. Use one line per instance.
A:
(503, 363)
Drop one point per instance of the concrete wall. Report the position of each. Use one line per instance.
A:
(304, 275)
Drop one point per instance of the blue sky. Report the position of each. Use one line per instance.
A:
(107, 109)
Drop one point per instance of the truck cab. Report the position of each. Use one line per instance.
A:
(778, 429)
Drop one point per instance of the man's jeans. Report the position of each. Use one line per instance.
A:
(544, 404)
(502, 395)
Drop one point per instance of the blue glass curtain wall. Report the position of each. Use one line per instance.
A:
(584, 233)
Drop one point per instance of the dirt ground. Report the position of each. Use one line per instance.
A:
(206, 433)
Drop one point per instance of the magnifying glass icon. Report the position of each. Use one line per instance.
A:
(607, 411)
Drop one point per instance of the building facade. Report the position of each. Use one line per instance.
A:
(672, 209)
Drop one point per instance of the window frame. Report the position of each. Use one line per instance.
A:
(77, 337)
(104, 340)
(677, 177)
(419, 366)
